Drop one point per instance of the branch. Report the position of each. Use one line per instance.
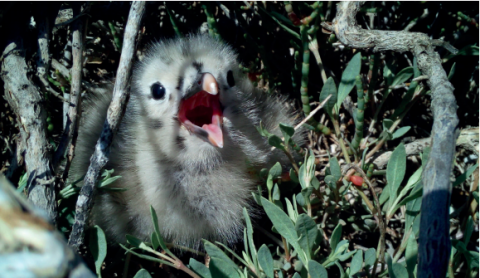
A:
(434, 243)
(69, 137)
(114, 116)
(27, 102)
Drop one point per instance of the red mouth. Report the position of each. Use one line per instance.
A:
(202, 115)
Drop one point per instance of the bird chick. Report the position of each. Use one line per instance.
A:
(185, 145)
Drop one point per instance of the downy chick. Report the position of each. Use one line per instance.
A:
(184, 146)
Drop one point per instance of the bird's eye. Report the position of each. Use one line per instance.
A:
(230, 80)
(158, 91)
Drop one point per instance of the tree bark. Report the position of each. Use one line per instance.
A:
(27, 102)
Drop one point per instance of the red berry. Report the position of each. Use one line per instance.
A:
(356, 180)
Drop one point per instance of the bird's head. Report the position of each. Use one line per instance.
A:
(181, 89)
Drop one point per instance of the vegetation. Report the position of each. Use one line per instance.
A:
(351, 206)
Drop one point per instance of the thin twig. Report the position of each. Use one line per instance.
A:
(313, 112)
(114, 116)
(68, 140)
(378, 217)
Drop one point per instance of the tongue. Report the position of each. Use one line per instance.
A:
(202, 115)
(215, 134)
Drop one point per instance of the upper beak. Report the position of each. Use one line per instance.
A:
(206, 82)
(200, 110)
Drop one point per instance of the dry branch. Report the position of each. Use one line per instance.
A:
(114, 116)
(434, 242)
(26, 100)
(67, 142)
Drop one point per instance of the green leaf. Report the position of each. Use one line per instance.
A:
(265, 260)
(411, 253)
(346, 256)
(370, 257)
(331, 182)
(287, 131)
(282, 223)
(307, 232)
(348, 79)
(335, 168)
(388, 71)
(469, 50)
(135, 242)
(276, 193)
(276, 141)
(293, 176)
(469, 227)
(414, 194)
(463, 177)
(329, 88)
(154, 239)
(220, 264)
(160, 240)
(387, 123)
(396, 270)
(108, 181)
(291, 211)
(316, 270)
(402, 76)
(253, 249)
(142, 273)
(336, 236)
(276, 170)
(400, 132)
(357, 262)
(396, 168)
(199, 268)
(98, 247)
(452, 71)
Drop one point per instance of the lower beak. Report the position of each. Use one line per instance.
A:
(201, 113)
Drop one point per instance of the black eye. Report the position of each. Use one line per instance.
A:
(158, 91)
(230, 80)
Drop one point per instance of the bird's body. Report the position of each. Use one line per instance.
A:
(185, 145)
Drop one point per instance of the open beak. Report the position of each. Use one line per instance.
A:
(201, 112)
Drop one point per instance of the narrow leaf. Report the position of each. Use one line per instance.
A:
(199, 268)
(220, 264)
(400, 132)
(265, 260)
(98, 248)
(160, 240)
(336, 235)
(142, 273)
(282, 223)
(348, 78)
(316, 270)
(396, 168)
(411, 253)
(329, 88)
(335, 168)
(402, 76)
(307, 232)
(357, 262)
(253, 249)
